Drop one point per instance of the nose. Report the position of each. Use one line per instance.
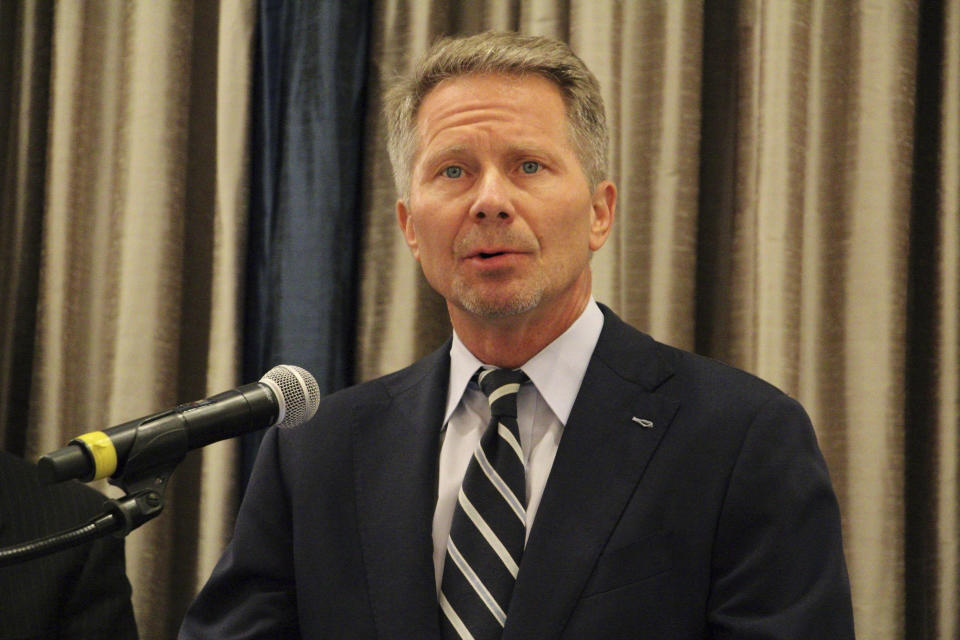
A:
(493, 199)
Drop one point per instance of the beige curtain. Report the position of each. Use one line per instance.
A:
(789, 179)
(142, 113)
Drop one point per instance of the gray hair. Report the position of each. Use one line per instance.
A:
(507, 53)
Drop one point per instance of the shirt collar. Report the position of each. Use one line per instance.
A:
(557, 370)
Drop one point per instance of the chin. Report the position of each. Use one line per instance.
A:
(499, 306)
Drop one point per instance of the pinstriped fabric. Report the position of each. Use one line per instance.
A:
(489, 523)
(79, 592)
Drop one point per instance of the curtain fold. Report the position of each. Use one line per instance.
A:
(788, 203)
(932, 569)
(648, 62)
(25, 40)
(305, 191)
(946, 540)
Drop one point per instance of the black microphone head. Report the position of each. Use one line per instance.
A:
(297, 391)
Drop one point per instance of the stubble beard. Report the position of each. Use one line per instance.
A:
(488, 299)
(492, 306)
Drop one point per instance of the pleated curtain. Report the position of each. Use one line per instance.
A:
(124, 204)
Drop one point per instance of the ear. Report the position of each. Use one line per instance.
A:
(601, 219)
(408, 228)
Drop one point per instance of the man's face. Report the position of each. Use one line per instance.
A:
(500, 214)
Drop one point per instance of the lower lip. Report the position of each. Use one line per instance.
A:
(498, 261)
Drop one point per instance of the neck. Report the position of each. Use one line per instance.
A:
(511, 341)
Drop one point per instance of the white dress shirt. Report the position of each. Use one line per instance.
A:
(542, 411)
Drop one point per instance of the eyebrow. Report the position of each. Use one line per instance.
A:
(517, 150)
(434, 155)
(529, 149)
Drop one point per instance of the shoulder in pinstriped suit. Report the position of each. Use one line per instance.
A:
(78, 593)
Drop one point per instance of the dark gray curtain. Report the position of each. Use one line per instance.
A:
(25, 33)
(310, 77)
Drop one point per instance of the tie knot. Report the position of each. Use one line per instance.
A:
(501, 386)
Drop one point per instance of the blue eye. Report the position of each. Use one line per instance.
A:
(453, 172)
(530, 166)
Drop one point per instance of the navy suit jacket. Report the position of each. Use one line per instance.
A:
(687, 500)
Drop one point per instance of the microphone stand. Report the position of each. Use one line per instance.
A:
(143, 479)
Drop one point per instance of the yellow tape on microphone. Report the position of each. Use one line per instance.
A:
(101, 449)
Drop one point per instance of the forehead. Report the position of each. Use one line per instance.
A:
(516, 104)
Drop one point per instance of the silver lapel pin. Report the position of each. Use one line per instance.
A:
(646, 424)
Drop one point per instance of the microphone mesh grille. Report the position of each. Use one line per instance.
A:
(299, 391)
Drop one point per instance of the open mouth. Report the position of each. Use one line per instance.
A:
(491, 257)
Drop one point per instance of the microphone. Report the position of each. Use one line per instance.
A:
(286, 396)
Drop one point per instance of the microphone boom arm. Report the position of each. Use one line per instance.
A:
(143, 502)
(143, 479)
(105, 523)
(139, 456)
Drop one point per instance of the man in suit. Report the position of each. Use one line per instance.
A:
(80, 592)
(660, 494)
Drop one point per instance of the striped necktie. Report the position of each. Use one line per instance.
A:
(489, 522)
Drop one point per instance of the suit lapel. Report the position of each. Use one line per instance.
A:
(396, 451)
(600, 461)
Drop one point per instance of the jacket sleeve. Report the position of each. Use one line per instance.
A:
(98, 605)
(251, 592)
(778, 565)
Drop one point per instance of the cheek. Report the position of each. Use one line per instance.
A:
(439, 220)
(571, 233)
(433, 239)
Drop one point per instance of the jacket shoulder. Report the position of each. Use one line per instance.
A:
(677, 372)
(386, 387)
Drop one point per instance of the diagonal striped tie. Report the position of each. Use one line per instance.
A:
(489, 523)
